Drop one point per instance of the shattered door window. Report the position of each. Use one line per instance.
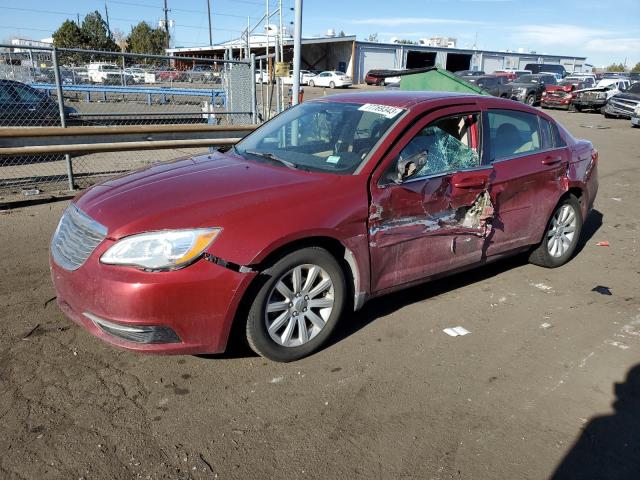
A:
(449, 144)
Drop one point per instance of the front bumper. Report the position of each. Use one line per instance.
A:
(197, 303)
(555, 102)
(589, 104)
(617, 111)
(635, 120)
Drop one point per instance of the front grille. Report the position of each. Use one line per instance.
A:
(75, 238)
(590, 96)
(626, 105)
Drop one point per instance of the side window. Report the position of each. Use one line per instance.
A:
(26, 94)
(547, 134)
(513, 133)
(448, 144)
(5, 95)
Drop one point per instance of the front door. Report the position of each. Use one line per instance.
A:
(429, 200)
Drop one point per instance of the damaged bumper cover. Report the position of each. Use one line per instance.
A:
(185, 311)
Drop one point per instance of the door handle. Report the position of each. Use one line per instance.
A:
(550, 160)
(471, 183)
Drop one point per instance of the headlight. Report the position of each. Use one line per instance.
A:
(522, 90)
(602, 95)
(166, 250)
(637, 110)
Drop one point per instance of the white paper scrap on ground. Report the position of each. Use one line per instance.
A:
(456, 331)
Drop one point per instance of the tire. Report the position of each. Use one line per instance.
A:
(332, 85)
(578, 108)
(553, 252)
(312, 83)
(294, 334)
(531, 100)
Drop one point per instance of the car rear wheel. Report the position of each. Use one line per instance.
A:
(561, 236)
(298, 306)
(312, 83)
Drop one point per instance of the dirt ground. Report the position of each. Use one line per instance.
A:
(392, 397)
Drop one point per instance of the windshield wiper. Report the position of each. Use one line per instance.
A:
(273, 157)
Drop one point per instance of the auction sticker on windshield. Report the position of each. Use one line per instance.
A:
(384, 110)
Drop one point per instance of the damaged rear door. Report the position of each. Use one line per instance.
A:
(430, 205)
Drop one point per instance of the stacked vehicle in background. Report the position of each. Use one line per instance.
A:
(597, 97)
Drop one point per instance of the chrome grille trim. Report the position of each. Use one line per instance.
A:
(76, 238)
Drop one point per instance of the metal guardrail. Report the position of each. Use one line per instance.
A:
(52, 140)
(213, 94)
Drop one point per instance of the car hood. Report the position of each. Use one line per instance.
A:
(593, 89)
(206, 191)
(629, 96)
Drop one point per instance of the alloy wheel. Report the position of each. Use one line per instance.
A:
(562, 232)
(299, 305)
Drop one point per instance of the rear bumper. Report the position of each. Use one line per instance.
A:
(198, 304)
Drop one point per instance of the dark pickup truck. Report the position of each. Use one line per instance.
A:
(495, 85)
(623, 104)
(529, 88)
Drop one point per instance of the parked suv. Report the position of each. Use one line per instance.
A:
(529, 88)
(546, 67)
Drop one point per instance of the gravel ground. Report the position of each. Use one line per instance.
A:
(391, 397)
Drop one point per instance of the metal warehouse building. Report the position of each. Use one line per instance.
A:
(356, 57)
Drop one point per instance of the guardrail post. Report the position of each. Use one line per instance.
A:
(63, 117)
(254, 100)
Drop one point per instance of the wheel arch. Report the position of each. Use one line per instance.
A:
(343, 255)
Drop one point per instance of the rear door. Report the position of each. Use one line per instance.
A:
(529, 176)
(419, 225)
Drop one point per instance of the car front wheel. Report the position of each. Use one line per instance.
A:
(531, 100)
(298, 306)
(561, 236)
(312, 83)
(332, 85)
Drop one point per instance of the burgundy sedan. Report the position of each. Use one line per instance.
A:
(331, 203)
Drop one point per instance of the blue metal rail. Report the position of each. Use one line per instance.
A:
(213, 94)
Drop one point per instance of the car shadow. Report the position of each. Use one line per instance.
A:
(591, 225)
(609, 445)
(388, 304)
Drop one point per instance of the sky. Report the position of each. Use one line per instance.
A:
(604, 32)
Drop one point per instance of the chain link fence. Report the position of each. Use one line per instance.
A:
(46, 87)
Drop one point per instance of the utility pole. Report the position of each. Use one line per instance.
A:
(106, 14)
(166, 22)
(281, 37)
(78, 16)
(297, 47)
(209, 18)
(268, 62)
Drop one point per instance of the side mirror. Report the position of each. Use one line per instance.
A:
(409, 167)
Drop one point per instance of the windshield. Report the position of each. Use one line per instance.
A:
(320, 136)
(528, 79)
(110, 68)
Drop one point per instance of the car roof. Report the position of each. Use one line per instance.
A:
(400, 99)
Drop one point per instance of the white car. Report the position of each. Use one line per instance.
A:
(104, 73)
(331, 80)
(134, 73)
(305, 76)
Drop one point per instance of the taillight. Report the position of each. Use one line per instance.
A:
(594, 155)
